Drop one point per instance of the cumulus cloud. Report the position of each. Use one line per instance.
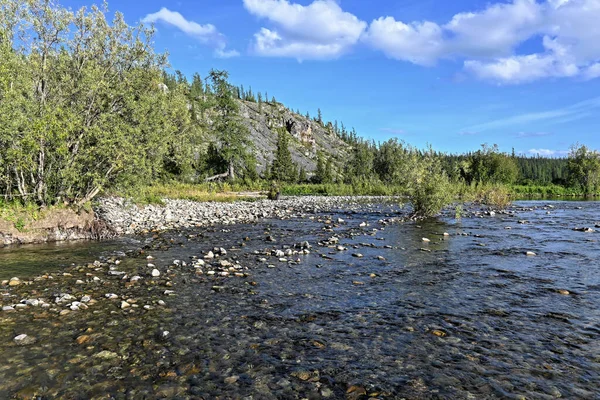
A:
(488, 40)
(207, 34)
(320, 30)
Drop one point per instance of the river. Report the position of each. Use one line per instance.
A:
(466, 314)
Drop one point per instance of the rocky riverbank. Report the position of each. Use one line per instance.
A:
(114, 216)
(125, 217)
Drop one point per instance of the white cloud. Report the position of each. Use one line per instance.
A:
(548, 152)
(320, 30)
(489, 40)
(222, 53)
(207, 34)
(419, 43)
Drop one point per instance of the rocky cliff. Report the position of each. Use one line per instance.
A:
(308, 136)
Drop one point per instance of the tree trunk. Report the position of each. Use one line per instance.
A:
(231, 171)
(40, 189)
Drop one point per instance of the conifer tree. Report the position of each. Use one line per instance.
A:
(324, 171)
(282, 168)
(231, 133)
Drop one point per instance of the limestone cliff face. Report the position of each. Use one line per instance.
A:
(308, 136)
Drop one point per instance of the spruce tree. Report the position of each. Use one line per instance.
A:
(282, 168)
(302, 178)
(324, 171)
(231, 133)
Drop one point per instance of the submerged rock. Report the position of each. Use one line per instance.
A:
(24, 340)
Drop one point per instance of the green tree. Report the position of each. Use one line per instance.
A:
(84, 108)
(302, 176)
(324, 171)
(283, 168)
(361, 165)
(488, 165)
(584, 168)
(231, 133)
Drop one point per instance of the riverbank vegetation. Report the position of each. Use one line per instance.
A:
(87, 107)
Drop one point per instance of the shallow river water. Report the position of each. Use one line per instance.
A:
(466, 315)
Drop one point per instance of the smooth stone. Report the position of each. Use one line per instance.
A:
(231, 379)
(24, 340)
(106, 355)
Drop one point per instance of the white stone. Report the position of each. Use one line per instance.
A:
(155, 273)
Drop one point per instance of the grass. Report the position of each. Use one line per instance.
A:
(238, 191)
(21, 215)
(205, 192)
(547, 191)
(340, 189)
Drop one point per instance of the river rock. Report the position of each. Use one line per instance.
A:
(155, 273)
(14, 282)
(106, 355)
(24, 340)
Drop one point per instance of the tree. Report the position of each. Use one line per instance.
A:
(227, 126)
(283, 168)
(488, 165)
(259, 97)
(84, 106)
(323, 173)
(584, 168)
(361, 165)
(302, 177)
(319, 116)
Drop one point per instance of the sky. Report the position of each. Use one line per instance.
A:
(522, 74)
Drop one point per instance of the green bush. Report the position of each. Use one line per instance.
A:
(429, 188)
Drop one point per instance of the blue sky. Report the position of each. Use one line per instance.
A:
(523, 74)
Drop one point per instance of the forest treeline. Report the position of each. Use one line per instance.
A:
(86, 106)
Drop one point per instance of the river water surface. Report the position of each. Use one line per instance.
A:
(466, 315)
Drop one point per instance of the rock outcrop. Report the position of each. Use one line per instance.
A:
(308, 136)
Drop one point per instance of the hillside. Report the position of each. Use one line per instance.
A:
(309, 137)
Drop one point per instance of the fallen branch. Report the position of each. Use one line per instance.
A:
(217, 177)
